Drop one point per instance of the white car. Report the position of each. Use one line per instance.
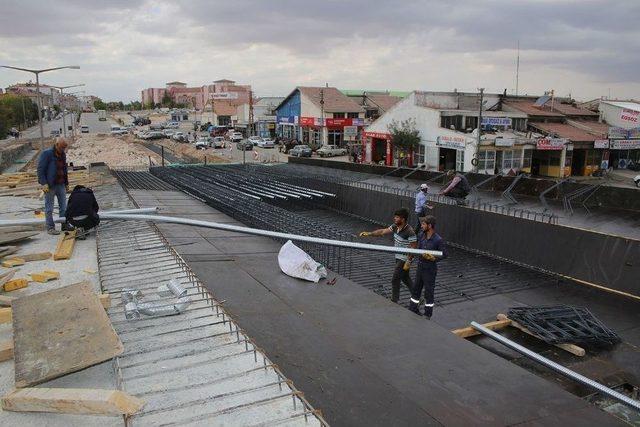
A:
(218, 142)
(267, 143)
(235, 136)
(637, 180)
(178, 136)
(168, 132)
(255, 140)
(84, 129)
(203, 142)
(172, 125)
(115, 130)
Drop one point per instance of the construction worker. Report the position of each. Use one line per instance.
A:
(403, 237)
(52, 176)
(421, 203)
(82, 210)
(427, 270)
(458, 188)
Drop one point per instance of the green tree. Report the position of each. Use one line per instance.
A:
(16, 111)
(167, 101)
(99, 105)
(404, 136)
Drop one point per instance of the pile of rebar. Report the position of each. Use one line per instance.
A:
(565, 324)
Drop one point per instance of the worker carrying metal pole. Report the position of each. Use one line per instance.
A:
(403, 237)
(427, 266)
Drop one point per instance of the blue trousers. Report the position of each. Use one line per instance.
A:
(58, 191)
(425, 279)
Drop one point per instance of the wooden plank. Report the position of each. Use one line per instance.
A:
(6, 276)
(13, 262)
(38, 256)
(5, 315)
(72, 401)
(6, 350)
(15, 284)
(470, 332)
(64, 250)
(16, 228)
(60, 331)
(45, 276)
(16, 237)
(571, 348)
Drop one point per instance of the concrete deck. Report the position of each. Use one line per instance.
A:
(359, 357)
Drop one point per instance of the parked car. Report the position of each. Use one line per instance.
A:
(255, 140)
(203, 142)
(156, 126)
(14, 132)
(218, 142)
(300, 151)
(179, 136)
(153, 134)
(235, 136)
(331, 151)
(84, 129)
(244, 145)
(117, 130)
(169, 132)
(267, 143)
(55, 132)
(172, 125)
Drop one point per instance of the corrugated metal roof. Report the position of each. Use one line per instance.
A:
(572, 133)
(530, 109)
(624, 104)
(334, 100)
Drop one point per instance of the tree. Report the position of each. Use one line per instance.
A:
(16, 111)
(99, 105)
(404, 136)
(167, 101)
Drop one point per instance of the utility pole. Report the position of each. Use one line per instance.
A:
(322, 141)
(475, 168)
(61, 89)
(250, 113)
(517, 68)
(37, 73)
(24, 113)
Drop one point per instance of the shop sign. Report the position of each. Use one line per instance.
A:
(310, 121)
(350, 131)
(551, 143)
(357, 122)
(617, 133)
(339, 122)
(601, 143)
(504, 142)
(224, 95)
(453, 142)
(630, 116)
(625, 144)
(378, 135)
(496, 121)
(271, 126)
(288, 119)
(633, 133)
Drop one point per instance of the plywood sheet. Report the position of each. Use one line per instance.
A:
(60, 331)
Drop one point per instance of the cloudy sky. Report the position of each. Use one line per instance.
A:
(584, 48)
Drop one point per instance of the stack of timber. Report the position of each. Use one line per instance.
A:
(25, 184)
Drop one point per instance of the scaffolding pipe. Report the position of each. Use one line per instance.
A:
(557, 367)
(39, 221)
(266, 233)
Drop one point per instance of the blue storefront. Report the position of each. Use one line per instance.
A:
(287, 114)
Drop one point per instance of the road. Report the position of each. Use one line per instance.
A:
(47, 126)
(95, 125)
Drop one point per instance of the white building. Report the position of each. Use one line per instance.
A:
(622, 114)
(447, 122)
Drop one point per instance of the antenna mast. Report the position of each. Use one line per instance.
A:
(517, 67)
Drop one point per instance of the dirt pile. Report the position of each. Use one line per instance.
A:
(114, 151)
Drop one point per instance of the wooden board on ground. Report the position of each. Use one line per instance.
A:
(6, 350)
(16, 237)
(5, 315)
(5, 301)
(470, 332)
(60, 331)
(64, 250)
(38, 256)
(72, 401)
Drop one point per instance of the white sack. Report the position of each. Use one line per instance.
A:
(295, 262)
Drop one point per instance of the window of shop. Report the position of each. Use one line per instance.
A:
(352, 115)
(471, 122)
(288, 132)
(335, 137)
(554, 158)
(487, 160)
(338, 115)
(418, 154)
(316, 138)
(526, 158)
(448, 121)
(519, 124)
(512, 159)
(460, 160)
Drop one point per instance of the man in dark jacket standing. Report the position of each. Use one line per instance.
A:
(52, 176)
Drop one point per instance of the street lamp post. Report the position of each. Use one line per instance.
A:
(37, 73)
(61, 89)
(73, 118)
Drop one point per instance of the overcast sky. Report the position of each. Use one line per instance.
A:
(584, 48)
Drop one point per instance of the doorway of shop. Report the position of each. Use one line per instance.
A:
(447, 159)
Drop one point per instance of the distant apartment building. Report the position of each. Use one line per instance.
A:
(49, 96)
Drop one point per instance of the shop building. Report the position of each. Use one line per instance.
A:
(375, 103)
(447, 123)
(317, 115)
(623, 117)
(264, 115)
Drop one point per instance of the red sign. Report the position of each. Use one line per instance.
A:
(309, 121)
(379, 135)
(629, 115)
(338, 122)
(550, 143)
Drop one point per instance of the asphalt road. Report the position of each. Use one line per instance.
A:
(47, 126)
(95, 125)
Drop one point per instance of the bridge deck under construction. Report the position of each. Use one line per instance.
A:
(364, 360)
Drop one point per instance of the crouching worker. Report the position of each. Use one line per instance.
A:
(82, 210)
(427, 270)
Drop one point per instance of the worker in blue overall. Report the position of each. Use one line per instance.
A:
(427, 270)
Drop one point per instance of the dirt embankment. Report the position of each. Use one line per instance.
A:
(121, 151)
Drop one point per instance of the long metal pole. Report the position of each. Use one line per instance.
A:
(557, 367)
(39, 111)
(477, 150)
(64, 124)
(38, 221)
(266, 233)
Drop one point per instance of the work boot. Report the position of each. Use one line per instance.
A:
(52, 231)
(81, 233)
(413, 306)
(66, 227)
(428, 311)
